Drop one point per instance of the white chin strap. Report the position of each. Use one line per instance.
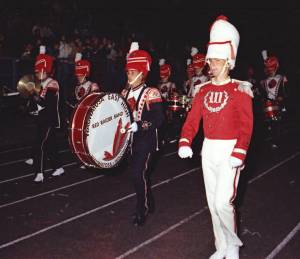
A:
(224, 67)
(42, 75)
(199, 72)
(82, 79)
(136, 78)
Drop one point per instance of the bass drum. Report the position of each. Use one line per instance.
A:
(98, 135)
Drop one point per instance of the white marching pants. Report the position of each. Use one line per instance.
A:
(221, 185)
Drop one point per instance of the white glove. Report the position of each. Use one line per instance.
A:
(185, 151)
(133, 127)
(235, 162)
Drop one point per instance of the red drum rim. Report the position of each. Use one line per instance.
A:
(95, 149)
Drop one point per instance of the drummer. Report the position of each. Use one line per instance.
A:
(147, 110)
(274, 89)
(190, 72)
(166, 87)
(84, 86)
(198, 61)
(82, 73)
(169, 92)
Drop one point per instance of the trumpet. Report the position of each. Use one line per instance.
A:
(27, 85)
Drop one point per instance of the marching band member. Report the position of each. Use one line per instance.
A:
(166, 87)
(198, 61)
(274, 92)
(82, 72)
(48, 118)
(168, 92)
(225, 105)
(190, 72)
(85, 86)
(147, 110)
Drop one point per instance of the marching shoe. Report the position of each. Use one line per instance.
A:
(39, 178)
(58, 171)
(83, 167)
(29, 161)
(219, 254)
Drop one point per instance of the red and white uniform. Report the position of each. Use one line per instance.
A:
(196, 83)
(85, 89)
(167, 89)
(190, 73)
(228, 107)
(274, 86)
(226, 111)
(83, 70)
(199, 78)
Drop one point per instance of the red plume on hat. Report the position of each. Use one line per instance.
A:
(82, 66)
(164, 69)
(137, 59)
(43, 62)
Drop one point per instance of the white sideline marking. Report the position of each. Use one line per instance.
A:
(170, 154)
(28, 175)
(45, 193)
(13, 162)
(149, 241)
(88, 212)
(15, 149)
(61, 151)
(284, 242)
(274, 167)
(24, 159)
(16, 178)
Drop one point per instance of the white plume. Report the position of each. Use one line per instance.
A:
(78, 56)
(134, 46)
(264, 54)
(42, 49)
(162, 61)
(194, 51)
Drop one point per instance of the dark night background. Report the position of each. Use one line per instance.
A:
(172, 26)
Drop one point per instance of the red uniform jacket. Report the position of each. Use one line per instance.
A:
(226, 111)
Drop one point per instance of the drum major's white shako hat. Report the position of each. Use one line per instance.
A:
(224, 41)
